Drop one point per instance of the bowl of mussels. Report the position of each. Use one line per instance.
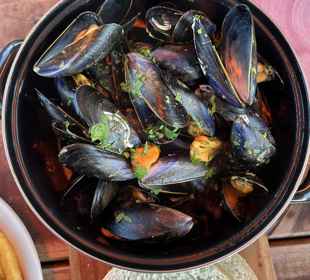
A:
(156, 135)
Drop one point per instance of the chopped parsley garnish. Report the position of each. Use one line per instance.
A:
(213, 104)
(135, 87)
(121, 216)
(195, 160)
(69, 101)
(125, 87)
(171, 134)
(146, 52)
(161, 132)
(210, 173)
(140, 172)
(178, 97)
(100, 131)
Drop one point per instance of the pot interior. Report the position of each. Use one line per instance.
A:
(33, 148)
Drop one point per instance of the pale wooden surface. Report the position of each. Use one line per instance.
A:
(291, 258)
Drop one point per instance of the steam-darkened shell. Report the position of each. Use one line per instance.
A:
(167, 171)
(149, 221)
(161, 21)
(144, 80)
(93, 107)
(94, 162)
(179, 60)
(238, 50)
(183, 29)
(212, 65)
(104, 194)
(80, 46)
(195, 108)
(252, 140)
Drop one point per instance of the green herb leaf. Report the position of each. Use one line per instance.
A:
(125, 87)
(140, 172)
(178, 97)
(171, 134)
(213, 104)
(69, 101)
(210, 173)
(100, 131)
(121, 216)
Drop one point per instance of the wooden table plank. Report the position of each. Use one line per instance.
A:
(291, 258)
(259, 258)
(295, 223)
(83, 267)
(58, 273)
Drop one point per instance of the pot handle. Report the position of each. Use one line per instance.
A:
(7, 55)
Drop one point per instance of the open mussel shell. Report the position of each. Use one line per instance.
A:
(93, 107)
(58, 115)
(144, 80)
(212, 66)
(70, 132)
(104, 194)
(73, 53)
(195, 108)
(173, 170)
(94, 162)
(183, 29)
(251, 140)
(244, 196)
(149, 221)
(161, 21)
(238, 50)
(179, 60)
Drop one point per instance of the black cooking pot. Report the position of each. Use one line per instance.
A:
(24, 130)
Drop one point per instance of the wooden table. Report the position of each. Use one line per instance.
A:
(290, 240)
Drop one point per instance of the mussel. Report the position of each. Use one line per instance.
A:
(107, 125)
(144, 81)
(94, 162)
(148, 222)
(79, 47)
(166, 171)
(180, 61)
(161, 21)
(238, 50)
(212, 65)
(202, 121)
(183, 29)
(62, 121)
(252, 140)
(244, 196)
(104, 194)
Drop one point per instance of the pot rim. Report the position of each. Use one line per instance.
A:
(11, 157)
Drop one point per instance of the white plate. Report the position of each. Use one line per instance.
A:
(19, 237)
